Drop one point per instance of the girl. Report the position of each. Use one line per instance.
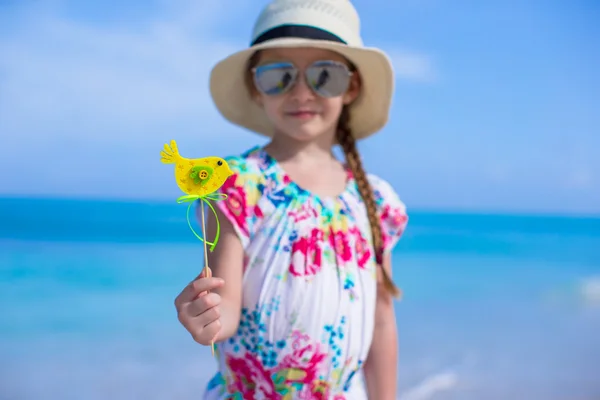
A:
(301, 302)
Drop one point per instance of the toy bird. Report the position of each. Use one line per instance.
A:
(199, 178)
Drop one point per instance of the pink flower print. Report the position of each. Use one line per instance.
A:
(394, 216)
(363, 249)
(341, 245)
(296, 376)
(307, 254)
(320, 390)
(250, 378)
(305, 212)
(298, 361)
(257, 212)
(394, 219)
(299, 339)
(307, 360)
(236, 203)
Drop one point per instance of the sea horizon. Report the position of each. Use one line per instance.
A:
(166, 200)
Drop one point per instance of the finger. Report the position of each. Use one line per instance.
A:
(186, 292)
(199, 322)
(202, 304)
(208, 317)
(206, 273)
(207, 284)
(194, 288)
(211, 330)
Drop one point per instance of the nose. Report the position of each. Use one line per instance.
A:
(301, 91)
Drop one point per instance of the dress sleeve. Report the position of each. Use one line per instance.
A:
(392, 211)
(241, 205)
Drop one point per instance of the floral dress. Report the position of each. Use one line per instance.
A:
(309, 285)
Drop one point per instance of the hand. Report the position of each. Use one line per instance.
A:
(198, 310)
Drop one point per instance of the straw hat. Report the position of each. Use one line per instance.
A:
(326, 24)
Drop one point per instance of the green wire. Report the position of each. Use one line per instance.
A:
(191, 199)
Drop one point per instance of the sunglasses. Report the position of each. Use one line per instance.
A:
(325, 78)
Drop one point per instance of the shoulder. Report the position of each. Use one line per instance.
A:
(247, 168)
(247, 182)
(385, 194)
(246, 165)
(243, 192)
(392, 211)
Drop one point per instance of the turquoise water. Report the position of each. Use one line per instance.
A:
(495, 307)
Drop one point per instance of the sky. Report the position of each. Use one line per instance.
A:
(496, 105)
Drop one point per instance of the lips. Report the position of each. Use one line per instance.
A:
(302, 113)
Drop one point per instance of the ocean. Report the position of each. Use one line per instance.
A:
(495, 307)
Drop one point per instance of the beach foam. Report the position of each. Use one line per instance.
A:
(590, 291)
(431, 386)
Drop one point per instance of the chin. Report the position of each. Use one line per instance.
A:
(304, 135)
(304, 132)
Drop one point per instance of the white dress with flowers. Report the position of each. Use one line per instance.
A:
(309, 285)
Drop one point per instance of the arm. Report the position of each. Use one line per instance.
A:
(381, 366)
(226, 262)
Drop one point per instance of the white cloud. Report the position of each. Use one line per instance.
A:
(59, 74)
(77, 93)
(413, 66)
(65, 78)
(94, 103)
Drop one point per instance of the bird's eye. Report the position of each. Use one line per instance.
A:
(219, 163)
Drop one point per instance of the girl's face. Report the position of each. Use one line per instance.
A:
(303, 90)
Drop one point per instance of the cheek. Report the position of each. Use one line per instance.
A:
(271, 106)
(333, 107)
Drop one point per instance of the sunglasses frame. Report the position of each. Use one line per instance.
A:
(289, 64)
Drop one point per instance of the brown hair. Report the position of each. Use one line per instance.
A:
(346, 140)
(348, 143)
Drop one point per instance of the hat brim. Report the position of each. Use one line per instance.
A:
(369, 112)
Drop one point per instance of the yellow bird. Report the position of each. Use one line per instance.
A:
(199, 176)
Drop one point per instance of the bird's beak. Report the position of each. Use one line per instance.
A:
(229, 171)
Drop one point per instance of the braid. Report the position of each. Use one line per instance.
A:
(346, 140)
